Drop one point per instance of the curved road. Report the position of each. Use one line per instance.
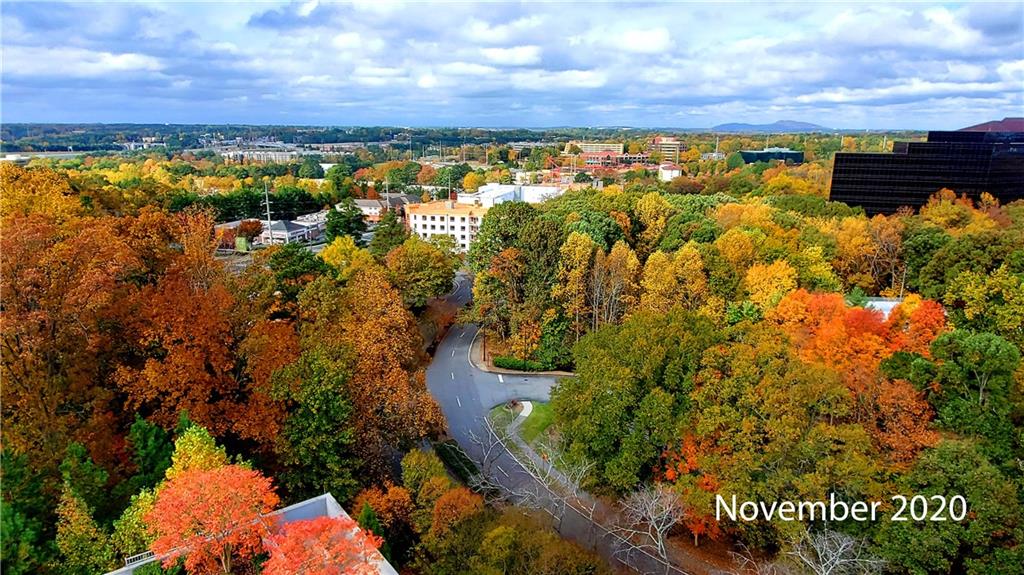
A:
(467, 394)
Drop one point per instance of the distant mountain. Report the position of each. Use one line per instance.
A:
(778, 127)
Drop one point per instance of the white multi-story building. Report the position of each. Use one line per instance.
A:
(448, 217)
(490, 195)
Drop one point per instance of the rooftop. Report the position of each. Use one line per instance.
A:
(446, 207)
(1004, 125)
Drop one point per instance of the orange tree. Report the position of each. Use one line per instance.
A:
(211, 517)
(322, 546)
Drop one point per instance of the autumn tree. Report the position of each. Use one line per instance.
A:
(66, 290)
(316, 443)
(454, 506)
(367, 319)
(573, 273)
(84, 547)
(214, 518)
(346, 257)
(420, 271)
(613, 286)
(766, 284)
(323, 546)
(36, 191)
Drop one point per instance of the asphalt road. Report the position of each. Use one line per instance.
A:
(467, 394)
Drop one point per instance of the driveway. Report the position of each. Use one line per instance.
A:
(467, 394)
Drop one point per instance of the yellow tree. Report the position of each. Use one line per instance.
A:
(690, 275)
(346, 257)
(613, 284)
(659, 287)
(767, 284)
(653, 211)
(472, 181)
(577, 254)
(36, 191)
(737, 247)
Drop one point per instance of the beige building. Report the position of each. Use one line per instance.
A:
(669, 146)
(595, 147)
(461, 221)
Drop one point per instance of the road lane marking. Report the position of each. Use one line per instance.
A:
(458, 400)
(502, 470)
(463, 333)
(453, 375)
(453, 352)
(501, 379)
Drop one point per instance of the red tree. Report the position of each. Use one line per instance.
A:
(322, 546)
(212, 518)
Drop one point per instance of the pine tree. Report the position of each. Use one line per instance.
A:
(368, 521)
(84, 547)
(389, 234)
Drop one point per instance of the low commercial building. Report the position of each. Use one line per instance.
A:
(669, 172)
(448, 217)
(289, 231)
(372, 210)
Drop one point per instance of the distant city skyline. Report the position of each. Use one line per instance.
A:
(681, 65)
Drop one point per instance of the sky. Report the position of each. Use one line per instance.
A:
(913, 65)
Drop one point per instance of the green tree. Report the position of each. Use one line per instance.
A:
(500, 230)
(633, 381)
(988, 541)
(418, 466)
(311, 168)
(368, 520)
(733, 161)
(131, 535)
(26, 517)
(345, 220)
(420, 271)
(87, 480)
(84, 547)
(338, 175)
(316, 445)
(389, 234)
(151, 453)
(294, 267)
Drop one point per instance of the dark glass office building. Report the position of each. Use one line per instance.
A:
(984, 158)
(769, 154)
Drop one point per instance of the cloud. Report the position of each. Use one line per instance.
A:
(515, 56)
(652, 41)
(75, 62)
(688, 65)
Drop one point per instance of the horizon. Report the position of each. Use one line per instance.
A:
(688, 66)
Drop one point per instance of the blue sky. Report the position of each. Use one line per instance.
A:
(908, 65)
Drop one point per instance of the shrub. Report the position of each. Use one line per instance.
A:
(505, 362)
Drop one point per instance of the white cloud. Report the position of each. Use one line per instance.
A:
(75, 62)
(543, 80)
(652, 41)
(515, 56)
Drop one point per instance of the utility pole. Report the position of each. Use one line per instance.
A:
(266, 200)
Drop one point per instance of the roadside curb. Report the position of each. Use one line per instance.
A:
(476, 359)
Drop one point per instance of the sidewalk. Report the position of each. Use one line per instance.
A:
(476, 358)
